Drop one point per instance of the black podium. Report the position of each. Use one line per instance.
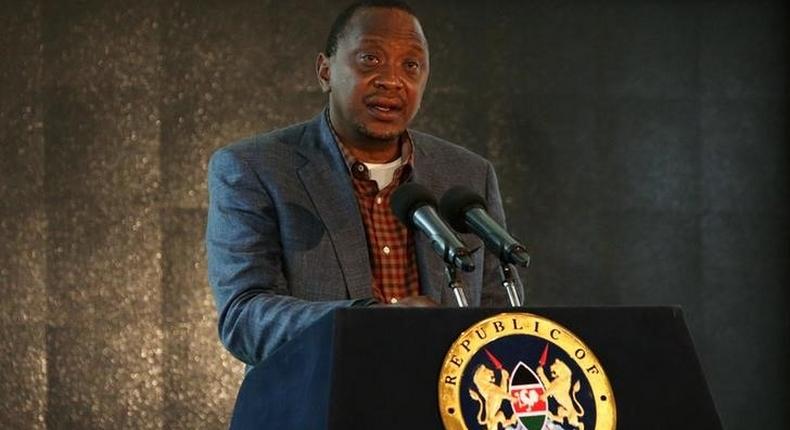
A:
(368, 368)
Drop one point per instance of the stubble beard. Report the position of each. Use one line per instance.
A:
(386, 137)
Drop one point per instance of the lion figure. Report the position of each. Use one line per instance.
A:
(490, 398)
(559, 387)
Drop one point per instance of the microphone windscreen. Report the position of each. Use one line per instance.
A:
(408, 198)
(454, 204)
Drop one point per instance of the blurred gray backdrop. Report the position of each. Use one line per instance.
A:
(641, 148)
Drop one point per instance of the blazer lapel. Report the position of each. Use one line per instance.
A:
(433, 281)
(328, 183)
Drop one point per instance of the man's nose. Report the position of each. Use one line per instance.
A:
(389, 79)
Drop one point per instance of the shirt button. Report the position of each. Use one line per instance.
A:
(386, 250)
(393, 300)
(378, 200)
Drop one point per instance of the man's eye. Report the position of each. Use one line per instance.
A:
(412, 65)
(369, 59)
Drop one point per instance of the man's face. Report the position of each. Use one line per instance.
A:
(377, 76)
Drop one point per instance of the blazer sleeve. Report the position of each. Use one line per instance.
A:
(493, 294)
(256, 311)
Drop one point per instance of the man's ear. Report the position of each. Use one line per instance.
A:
(322, 72)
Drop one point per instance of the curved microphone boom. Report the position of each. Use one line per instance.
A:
(466, 212)
(415, 206)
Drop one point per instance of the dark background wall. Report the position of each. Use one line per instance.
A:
(641, 149)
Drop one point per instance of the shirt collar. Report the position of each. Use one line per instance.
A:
(357, 168)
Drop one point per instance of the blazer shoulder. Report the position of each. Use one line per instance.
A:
(273, 143)
(444, 151)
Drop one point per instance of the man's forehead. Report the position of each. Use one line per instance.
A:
(377, 24)
(409, 42)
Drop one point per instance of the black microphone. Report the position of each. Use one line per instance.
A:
(466, 211)
(415, 207)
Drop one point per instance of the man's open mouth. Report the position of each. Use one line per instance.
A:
(385, 105)
(385, 110)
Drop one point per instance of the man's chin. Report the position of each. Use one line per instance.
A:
(383, 134)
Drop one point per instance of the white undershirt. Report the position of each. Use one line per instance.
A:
(383, 173)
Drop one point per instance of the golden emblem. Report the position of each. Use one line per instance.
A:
(523, 371)
(490, 397)
(559, 387)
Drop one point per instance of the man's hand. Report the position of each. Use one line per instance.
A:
(416, 302)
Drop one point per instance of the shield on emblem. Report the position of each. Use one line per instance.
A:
(526, 391)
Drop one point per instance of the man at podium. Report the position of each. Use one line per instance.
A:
(299, 221)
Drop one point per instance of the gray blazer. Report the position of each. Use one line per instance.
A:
(285, 238)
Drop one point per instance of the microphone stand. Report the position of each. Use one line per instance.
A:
(456, 284)
(509, 282)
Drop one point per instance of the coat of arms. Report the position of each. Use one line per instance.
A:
(521, 371)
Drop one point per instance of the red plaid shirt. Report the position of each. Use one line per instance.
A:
(393, 261)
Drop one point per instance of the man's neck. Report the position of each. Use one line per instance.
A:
(373, 152)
